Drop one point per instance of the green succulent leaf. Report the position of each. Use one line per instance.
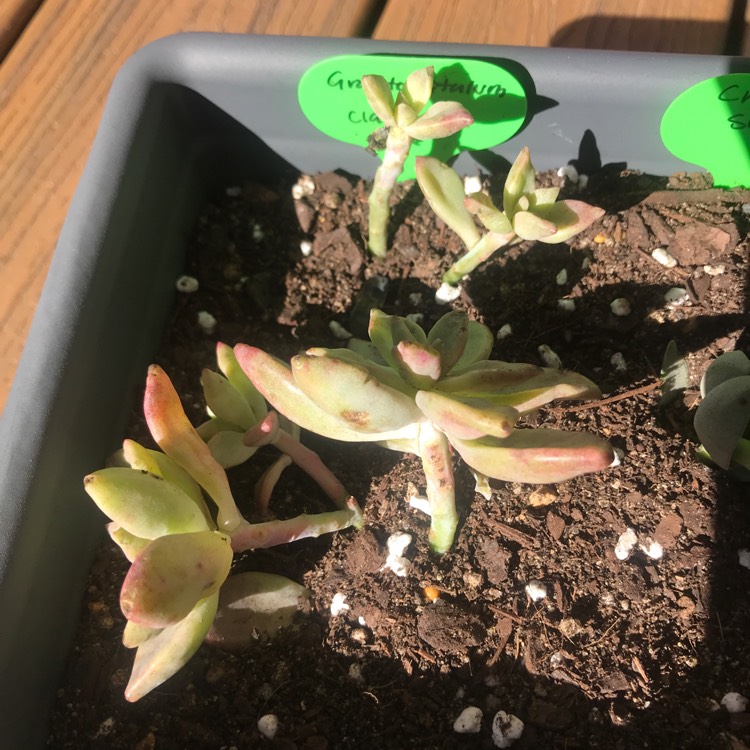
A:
(725, 367)
(417, 88)
(229, 365)
(536, 456)
(349, 392)
(444, 191)
(171, 574)
(484, 209)
(721, 418)
(161, 656)
(521, 179)
(386, 331)
(543, 197)
(225, 401)
(404, 115)
(478, 347)
(134, 634)
(449, 336)
(466, 418)
(143, 504)
(253, 605)
(229, 449)
(568, 217)
(275, 381)
(487, 376)
(379, 97)
(529, 226)
(131, 545)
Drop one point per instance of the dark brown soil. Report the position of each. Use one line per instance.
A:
(620, 654)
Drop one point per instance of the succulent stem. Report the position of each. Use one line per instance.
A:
(435, 453)
(396, 150)
(270, 533)
(484, 249)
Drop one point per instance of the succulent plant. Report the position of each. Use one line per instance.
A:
(180, 553)
(425, 393)
(403, 123)
(721, 419)
(529, 212)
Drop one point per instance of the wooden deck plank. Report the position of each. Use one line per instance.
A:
(698, 26)
(14, 15)
(53, 84)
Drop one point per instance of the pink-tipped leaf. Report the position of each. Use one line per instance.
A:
(466, 418)
(439, 121)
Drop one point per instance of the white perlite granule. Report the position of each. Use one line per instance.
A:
(620, 307)
(338, 604)
(187, 284)
(397, 544)
(268, 726)
(625, 544)
(536, 591)
(735, 703)
(206, 321)
(447, 293)
(549, 357)
(663, 258)
(506, 729)
(472, 184)
(469, 721)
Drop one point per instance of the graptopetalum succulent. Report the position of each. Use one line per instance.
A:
(529, 212)
(404, 124)
(180, 554)
(423, 393)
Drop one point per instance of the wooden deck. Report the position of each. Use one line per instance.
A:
(58, 58)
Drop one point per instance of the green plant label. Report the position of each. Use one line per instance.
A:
(709, 125)
(331, 97)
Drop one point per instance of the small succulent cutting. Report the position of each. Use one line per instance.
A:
(425, 393)
(529, 212)
(403, 123)
(721, 419)
(181, 552)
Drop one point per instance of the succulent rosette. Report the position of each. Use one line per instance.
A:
(529, 212)
(423, 393)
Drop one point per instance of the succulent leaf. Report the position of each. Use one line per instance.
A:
(487, 376)
(225, 401)
(439, 121)
(484, 209)
(158, 658)
(529, 226)
(449, 336)
(134, 634)
(568, 217)
(171, 574)
(725, 367)
(444, 191)
(538, 456)
(417, 88)
(464, 417)
(174, 434)
(143, 504)
(379, 97)
(521, 179)
(404, 116)
(253, 605)
(722, 418)
(229, 449)
(275, 381)
(131, 545)
(359, 401)
(478, 347)
(543, 197)
(418, 364)
(229, 365)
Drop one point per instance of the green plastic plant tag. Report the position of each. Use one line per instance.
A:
(709, 125)
(331, 97)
